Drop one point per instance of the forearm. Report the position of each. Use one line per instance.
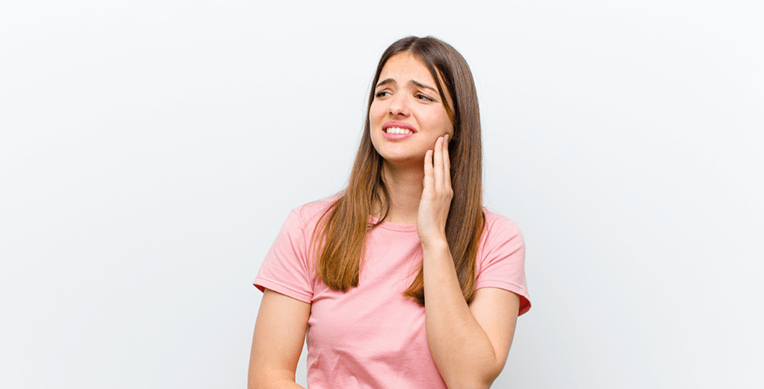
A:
(460, 347)
(274, 383)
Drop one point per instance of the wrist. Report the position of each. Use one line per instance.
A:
(435, 243)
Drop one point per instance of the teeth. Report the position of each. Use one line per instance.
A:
(396, 130)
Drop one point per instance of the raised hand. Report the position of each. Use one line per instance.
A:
(436, 196)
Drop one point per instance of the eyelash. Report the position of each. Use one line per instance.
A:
(425, 97)
(420, 96)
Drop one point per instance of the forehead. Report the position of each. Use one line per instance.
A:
(404, 67)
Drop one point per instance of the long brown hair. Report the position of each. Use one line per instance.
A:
(342, 228)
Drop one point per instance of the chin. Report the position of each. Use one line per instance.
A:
(404, 160)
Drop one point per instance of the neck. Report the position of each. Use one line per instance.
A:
(404, 186)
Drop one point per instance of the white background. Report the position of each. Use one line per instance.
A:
(150, 150)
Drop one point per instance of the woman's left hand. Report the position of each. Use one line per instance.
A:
(437, 194)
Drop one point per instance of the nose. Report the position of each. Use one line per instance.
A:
(398, 105)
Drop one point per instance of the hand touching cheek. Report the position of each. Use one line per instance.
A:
(436, 196)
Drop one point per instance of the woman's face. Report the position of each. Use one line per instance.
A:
(407, 115)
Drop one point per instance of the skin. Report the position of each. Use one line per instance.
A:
(469, 343)
(407, 93)
(277, 343)
(402, 100)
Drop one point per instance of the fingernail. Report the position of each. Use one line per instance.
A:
(446, 137)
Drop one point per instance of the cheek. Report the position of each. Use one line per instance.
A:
(441, 123)
(376, 111)
(448, 127)
(374, 124)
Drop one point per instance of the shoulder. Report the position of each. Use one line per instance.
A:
(499, 227)
(502, 244)
(309, 214)
(501, 258)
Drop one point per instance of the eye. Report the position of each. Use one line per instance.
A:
(381, 94)
(422, 96)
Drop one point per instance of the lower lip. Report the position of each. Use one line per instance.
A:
(397, 136)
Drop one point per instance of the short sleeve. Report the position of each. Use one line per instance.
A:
(285, 268)
(501, 259)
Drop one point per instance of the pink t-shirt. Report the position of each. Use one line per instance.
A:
(373, 336)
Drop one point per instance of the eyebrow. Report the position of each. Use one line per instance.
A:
(417, 83)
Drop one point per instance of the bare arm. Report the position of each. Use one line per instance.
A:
(277, 343)
(469, 344)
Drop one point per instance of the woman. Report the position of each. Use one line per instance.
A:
(410, 228)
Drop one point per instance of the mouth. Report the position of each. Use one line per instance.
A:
(398, 128)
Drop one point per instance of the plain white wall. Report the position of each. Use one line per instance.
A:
(150, 150)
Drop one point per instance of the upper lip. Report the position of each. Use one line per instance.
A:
(398, 125)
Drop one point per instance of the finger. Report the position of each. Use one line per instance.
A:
(446, 163)
(438, 162)
(428, 169)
